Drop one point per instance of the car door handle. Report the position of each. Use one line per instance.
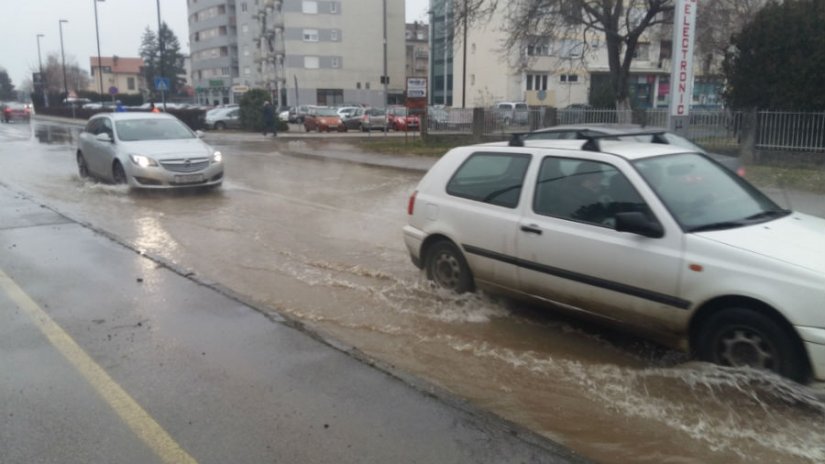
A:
(531, 229)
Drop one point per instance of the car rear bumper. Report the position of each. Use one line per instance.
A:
(413, 239)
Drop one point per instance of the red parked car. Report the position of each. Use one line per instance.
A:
(400, 119)
(323, 120)
(16, 111)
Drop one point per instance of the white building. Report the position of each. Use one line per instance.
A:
(322, 52)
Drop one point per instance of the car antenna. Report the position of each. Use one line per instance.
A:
(516, 140)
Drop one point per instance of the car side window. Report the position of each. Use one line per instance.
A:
(585, 191)
(92, 126)
(105, 127)
(494, 178)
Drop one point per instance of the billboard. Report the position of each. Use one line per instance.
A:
(681, 74)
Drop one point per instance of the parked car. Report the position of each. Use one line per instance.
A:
(354, 120)
(631, 132)
(283, 113)
(511, 112)
(146, 150)
(224, 118)
(323, 119)
(14, 111)
(374, 119)
(652, 238)
(346, 111)
(298, 113)
(401, 119)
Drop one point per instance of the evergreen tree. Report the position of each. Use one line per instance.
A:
(171, 64)
(779, 59)
(6, 87)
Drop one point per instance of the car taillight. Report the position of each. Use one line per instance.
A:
(741, 171)
(411, 204)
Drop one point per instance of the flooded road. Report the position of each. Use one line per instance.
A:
(320, 242)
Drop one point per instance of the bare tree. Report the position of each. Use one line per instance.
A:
(717, 22)
(76, 78)
(619, 24)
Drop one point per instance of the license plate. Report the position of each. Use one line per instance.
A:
(189, 179)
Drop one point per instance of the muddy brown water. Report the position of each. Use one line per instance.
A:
(321, 243)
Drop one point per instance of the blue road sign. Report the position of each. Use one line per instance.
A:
(162, 83)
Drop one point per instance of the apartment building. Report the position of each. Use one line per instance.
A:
(303, 51)
(558, 71)
(418, 49)
(125, 74)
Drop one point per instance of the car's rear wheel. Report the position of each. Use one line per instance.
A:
(220, 125)
(447, 267)
(118, 174)
(742, 337)
(82, 167)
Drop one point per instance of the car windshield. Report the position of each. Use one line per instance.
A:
(704, 196)
(399, 111)
(131, 130)
(326, 112)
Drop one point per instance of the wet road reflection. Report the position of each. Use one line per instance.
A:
(320, 242)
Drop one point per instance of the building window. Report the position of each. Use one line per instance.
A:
(247, 71)
(333, 7)
(472, 79)
(244, 28)
(367, 85)
(243, 6)
(335, 62)
(642, 51)
(538, 49)
(333, 35)
(310, 35)
(311, 62)
(537, 82)
(358, 85)
(309, 7)
(130, 83)
(569, 78)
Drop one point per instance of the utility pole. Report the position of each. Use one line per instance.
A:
(386, 77)
(42, 77)
(160, 53)
(63, 58)
(99, 61)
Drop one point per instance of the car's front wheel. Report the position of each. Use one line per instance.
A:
(742, 337)
(447, 267)
(82, 167)
(118, 174)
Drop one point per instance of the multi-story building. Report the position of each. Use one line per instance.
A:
(124, 74)
(556, 72)
(418, 49)
(303, 51)
(213, 44)
(441, 53)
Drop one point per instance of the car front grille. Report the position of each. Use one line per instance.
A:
(185, 164)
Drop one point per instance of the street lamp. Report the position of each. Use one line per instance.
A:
(99, 62)
(160, 52)
(42, 77)
(63, 58)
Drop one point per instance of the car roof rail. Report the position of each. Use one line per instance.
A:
(517, 139)
(592, 140)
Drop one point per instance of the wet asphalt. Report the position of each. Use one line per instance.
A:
(109, 355)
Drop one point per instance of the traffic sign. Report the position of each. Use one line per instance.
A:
(162, 84)
(113, 90)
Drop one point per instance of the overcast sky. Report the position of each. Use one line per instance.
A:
(121, 22)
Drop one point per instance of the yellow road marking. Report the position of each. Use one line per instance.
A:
(127, 408)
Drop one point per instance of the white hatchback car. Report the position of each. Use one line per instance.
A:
(653, 238)
(147, 150)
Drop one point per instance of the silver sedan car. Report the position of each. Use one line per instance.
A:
(147, 150)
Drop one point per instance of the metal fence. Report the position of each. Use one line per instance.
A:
(769, 130)
(778, 130)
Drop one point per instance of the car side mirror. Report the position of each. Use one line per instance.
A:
(199, 133)
(104, 137)
(637, 223)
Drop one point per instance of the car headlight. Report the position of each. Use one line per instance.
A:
(143, 161)
(217, 157)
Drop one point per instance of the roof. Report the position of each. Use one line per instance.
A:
(131, 115)
(610, 128)
(119, 64)
(627, 150)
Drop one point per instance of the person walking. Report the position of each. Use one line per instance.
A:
(269, 119)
